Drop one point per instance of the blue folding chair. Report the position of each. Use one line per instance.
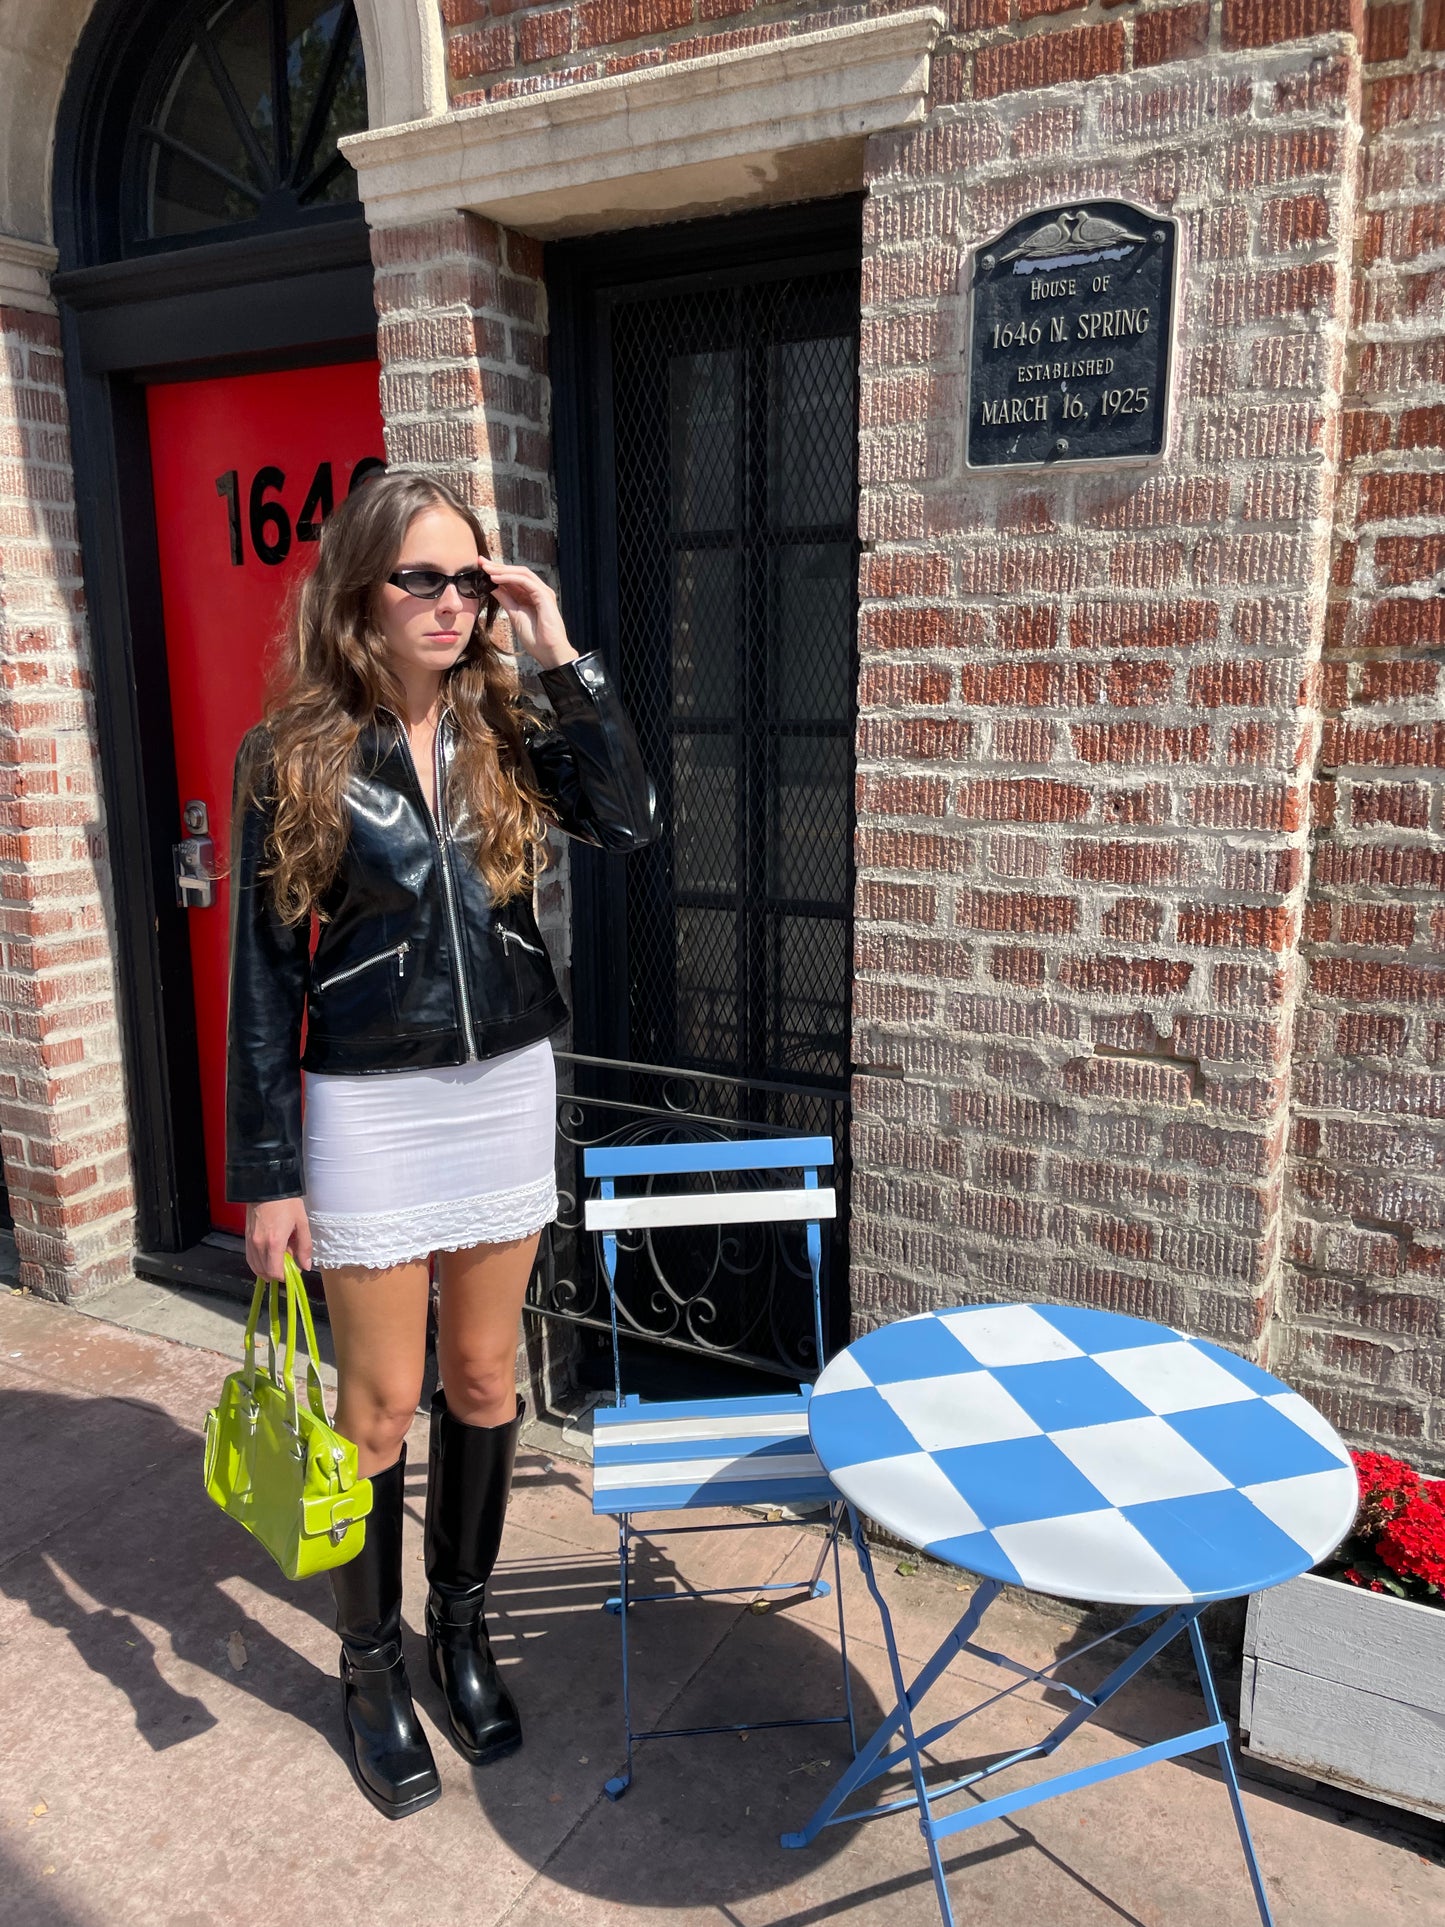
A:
(679, 1455)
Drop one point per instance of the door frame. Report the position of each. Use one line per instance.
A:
(233, 307)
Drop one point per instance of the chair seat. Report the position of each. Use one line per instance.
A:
(676, 1455)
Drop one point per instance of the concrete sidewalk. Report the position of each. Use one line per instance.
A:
(169, 1752)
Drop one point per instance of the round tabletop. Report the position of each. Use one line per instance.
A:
(1082, 1453)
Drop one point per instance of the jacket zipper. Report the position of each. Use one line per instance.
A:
(453, 922)
(510, 936)
(397, 950)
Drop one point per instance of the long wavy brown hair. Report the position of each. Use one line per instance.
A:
(335, 676)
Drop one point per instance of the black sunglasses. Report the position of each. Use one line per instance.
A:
(470, 584)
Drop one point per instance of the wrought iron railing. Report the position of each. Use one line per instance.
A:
(737, 1292)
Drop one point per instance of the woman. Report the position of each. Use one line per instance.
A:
(397, 797)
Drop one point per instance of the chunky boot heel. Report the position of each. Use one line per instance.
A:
(388, 1752)
(469, 1477)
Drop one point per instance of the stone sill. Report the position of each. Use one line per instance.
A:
(787, 119)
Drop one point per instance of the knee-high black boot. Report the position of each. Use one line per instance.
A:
(388, 1750)
(469, 1477)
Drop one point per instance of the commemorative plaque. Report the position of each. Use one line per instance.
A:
(1070, 338)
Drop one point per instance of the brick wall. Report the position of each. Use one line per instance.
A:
(1364, 1287)
(462, 338)
(1094, 967)
(63, 1124)
(1088, 708)
(500, 48)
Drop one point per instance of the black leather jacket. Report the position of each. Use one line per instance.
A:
(415, 965)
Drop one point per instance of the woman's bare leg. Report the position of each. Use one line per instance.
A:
(482, 1290)
(378, 1325)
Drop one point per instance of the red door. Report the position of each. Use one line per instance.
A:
(246, 468)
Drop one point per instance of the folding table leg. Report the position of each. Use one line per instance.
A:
(1231, 1778)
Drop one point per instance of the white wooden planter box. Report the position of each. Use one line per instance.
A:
(1348, 1686)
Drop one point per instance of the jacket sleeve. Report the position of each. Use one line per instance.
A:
(586, 762)
(269, 967)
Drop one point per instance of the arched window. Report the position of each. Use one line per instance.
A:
(243, 129)
(209, 121)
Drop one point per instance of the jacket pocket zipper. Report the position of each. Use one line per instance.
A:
(397, 950)
(510, 936)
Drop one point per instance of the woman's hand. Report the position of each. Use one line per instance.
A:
(274, 1228)
(531, 609)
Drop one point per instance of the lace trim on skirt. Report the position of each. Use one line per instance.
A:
(382, 1238)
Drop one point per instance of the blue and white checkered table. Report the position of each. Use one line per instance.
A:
(1082, 1454)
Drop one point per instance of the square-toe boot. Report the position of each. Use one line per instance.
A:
(388, 1750)
(469, 1477)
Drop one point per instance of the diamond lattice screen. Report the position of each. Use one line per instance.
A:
(735, 435)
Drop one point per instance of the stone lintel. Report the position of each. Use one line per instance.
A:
(784, 120)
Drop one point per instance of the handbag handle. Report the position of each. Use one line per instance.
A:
(296, 1298)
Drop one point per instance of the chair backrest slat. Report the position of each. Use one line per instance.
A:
(675, 1160)
(710, 1207)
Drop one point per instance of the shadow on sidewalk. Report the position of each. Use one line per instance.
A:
(156, 1551)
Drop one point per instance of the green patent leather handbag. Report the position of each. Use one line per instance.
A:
(274, 1464)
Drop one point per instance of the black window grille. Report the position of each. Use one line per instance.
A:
(714, 406)
(734, 424)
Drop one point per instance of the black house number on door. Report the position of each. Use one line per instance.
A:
(267, 522)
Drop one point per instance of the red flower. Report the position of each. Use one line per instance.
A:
(1401, 1521)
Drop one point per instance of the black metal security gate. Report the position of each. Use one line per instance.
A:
(706, 392)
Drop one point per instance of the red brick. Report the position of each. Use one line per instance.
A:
(1024, 739)
(1361, 982)
(1039, 685)
(1046, 59)
(1132, 920)
(919, 628)
(1391, 924)
(920, 738)
(1171, 35)
(1026, 627)
(1266, 160)
(1432, 27)
(1361, 1034)
(1126, 976)
(1294, 221)
(892, 684)
(1387, 33)
(1023, 800)
(1122, 863)
(602, 22)
(485, 52)
(1022, 966)
(1422, 428)
(878, 902)
(1403, 622)
(903, 795)
(1234, 926)
(1120, 624)
(1387, 682)
(1414, 745)
(1263, 23)
(902, 572)
(1405, 805)
(1015, 914)
(1401, 493)
(1391, 865)
(1131, 685)
(1139, 742)
(1400, 559)
(542, 36)
(918, 850)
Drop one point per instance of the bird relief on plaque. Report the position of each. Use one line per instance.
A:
(1070, 338)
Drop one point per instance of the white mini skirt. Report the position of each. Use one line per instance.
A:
(400, 1164)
